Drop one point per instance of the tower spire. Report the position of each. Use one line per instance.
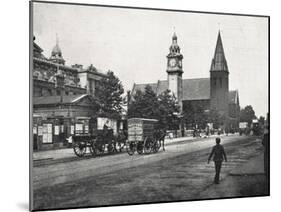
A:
(56, 54)
(57, 39)
(219, 62)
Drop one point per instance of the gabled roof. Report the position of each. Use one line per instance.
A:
(196, 89)
(67, 99)
(193, 89)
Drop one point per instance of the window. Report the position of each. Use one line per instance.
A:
(220, 82)
(58, 92)
(66, 93)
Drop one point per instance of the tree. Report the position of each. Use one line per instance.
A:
(215, 118)
(261, 120)
(168, 110)
(147, 104)
(247, 114)
(108, 94)
(144, 104)
(195, 114)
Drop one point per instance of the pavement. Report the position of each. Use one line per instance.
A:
(243, 181)
(48, 157)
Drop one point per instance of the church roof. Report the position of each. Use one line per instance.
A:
(193, 89)
(196, 89)
(49, 100)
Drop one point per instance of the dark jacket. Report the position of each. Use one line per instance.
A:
(265, 142)
(218, 153)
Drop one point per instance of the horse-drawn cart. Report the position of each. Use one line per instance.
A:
(141, 136)
(96, 142)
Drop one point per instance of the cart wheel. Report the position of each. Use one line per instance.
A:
(131, 148)
(79, 149)
(147, 149)
(156, 146)
(110, 148)
(100, 148)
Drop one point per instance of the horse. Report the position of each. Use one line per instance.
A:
(160, 136)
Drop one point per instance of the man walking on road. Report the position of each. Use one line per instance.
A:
(219, 154)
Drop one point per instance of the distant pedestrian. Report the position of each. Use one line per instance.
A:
(218, 155)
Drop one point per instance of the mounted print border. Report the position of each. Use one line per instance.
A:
(132, 105)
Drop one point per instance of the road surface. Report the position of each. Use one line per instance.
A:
(179, 173)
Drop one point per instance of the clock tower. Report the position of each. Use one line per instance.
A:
(174, 70)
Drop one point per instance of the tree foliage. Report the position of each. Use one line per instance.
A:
(195, 114)
(262, 120)
(148, 105)
(168, 110)
(247, 114)
(108, 94)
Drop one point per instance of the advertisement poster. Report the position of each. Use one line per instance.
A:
(57, 130)
(40, 130)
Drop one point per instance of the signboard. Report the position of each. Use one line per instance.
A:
(34, 130)
(72, 129)
(57, 130)
(40, 130)
(78, 128)
(50, 138)
(242, 125)
(86, 128)
(47, 133)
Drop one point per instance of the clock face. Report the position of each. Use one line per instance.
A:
(172, 62)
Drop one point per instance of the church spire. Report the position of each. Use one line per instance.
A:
(219, 62)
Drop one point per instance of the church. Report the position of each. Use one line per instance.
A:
(208, 94)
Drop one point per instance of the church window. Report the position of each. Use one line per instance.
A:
(215, 81)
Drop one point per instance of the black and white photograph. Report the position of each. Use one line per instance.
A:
(133, 105)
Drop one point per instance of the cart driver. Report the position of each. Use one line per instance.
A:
(106, 128)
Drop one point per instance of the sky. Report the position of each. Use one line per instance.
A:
(134, 44)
